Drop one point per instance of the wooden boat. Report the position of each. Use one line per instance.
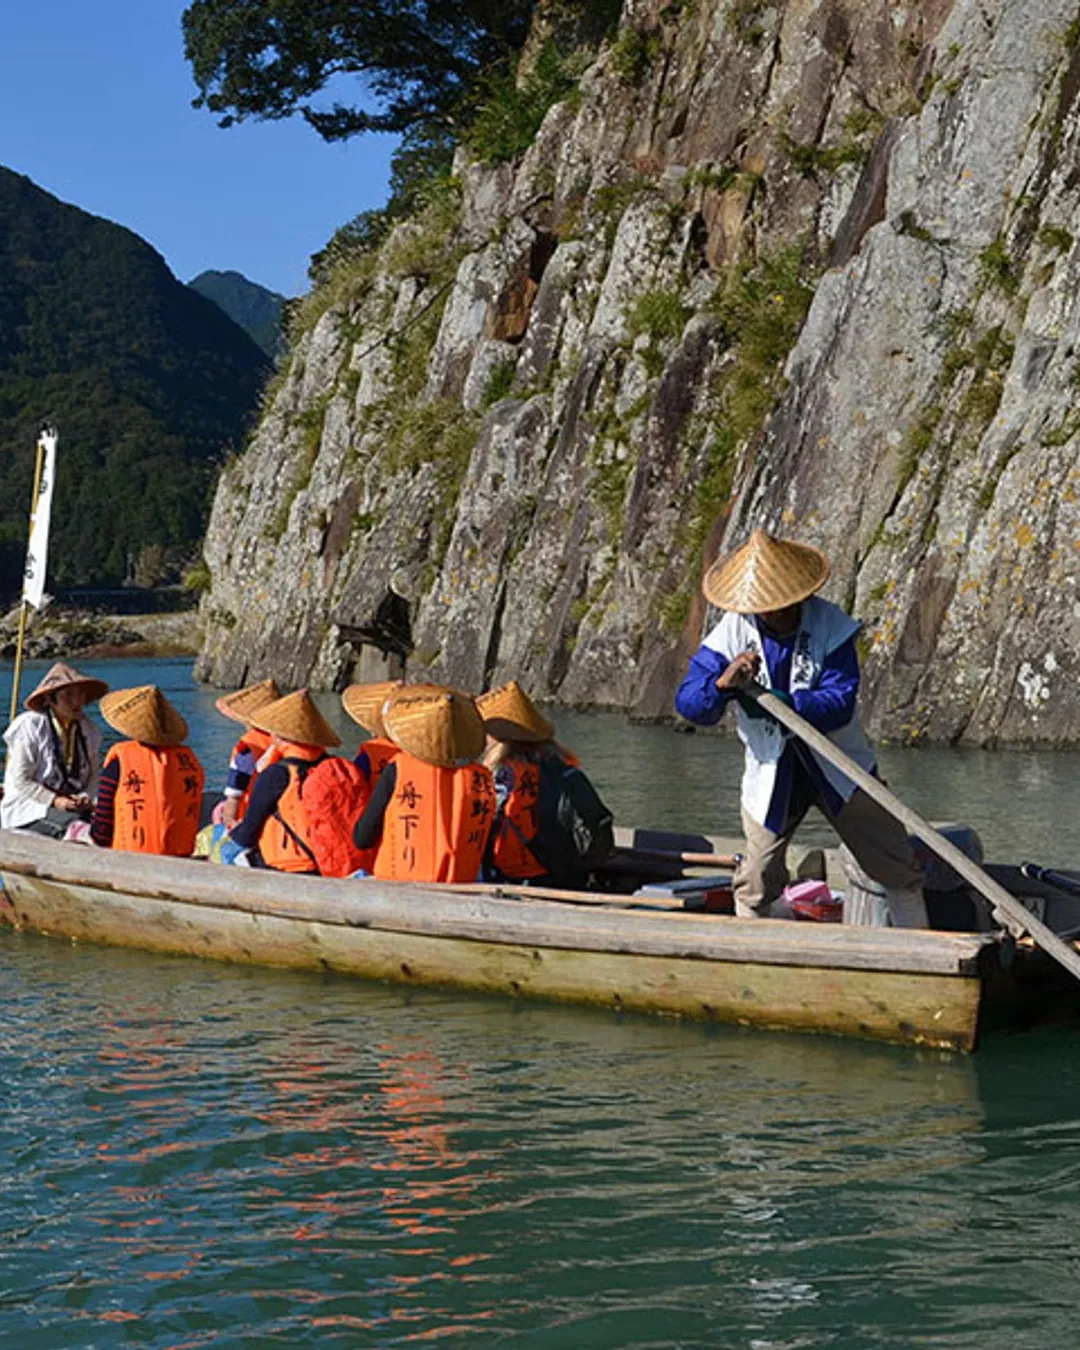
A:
(616, 951)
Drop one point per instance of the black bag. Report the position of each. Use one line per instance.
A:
(575, 833)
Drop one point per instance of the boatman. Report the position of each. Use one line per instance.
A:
(778, 632)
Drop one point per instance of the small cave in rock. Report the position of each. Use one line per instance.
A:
(697, 243)
(541, 253)
(508, 318)
(678, 124)
(382, 646)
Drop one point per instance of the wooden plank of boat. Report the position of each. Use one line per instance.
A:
(894, 985)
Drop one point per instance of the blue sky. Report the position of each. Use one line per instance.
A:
(95, 107)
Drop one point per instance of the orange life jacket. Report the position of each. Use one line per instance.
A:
(285, 841)
(158, 798)
(379, 753)
(519, 823)
(260, 744)
(436, 825)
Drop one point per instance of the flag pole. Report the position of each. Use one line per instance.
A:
(25, 604)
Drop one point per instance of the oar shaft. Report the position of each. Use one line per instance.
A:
(675, 855)
(998, 896)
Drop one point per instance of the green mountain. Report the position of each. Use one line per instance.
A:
(253, 307)
(148, 382)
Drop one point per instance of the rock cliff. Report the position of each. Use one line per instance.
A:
(807, 265)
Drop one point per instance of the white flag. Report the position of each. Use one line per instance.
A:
(37, 551)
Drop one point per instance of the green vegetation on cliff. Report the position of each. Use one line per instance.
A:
(147, 381)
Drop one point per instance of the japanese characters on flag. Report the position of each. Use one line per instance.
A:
(37, 550)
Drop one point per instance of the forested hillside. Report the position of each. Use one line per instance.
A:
(253, 307)
(149, 383)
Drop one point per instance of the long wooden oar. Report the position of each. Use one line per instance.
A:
(1004, 903)
(634, 854)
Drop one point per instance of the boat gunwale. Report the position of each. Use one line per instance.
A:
(512, 916)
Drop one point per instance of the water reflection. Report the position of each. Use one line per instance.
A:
(313, 1159)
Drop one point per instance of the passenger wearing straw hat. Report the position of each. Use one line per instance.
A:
(364, 703)
(150, 794)
(53, 753)
(254, 750)
(431, 813)
(531, 774)
(778, 631)
(276, 831)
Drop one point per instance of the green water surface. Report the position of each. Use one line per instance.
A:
(196, 1155)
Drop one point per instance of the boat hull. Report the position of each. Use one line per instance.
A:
(912, 988)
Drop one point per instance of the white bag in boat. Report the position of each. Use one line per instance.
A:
(866, 903)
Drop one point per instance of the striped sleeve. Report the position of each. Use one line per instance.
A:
(101, 826)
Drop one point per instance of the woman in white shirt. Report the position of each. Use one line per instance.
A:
(53, 755)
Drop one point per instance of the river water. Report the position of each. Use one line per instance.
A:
(205, 1156)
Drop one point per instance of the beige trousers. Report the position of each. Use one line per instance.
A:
(878, 841)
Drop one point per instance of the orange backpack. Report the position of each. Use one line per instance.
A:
(335, 793)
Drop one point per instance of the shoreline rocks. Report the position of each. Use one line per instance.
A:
(65, 632)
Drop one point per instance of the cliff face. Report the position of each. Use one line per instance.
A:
(806, 265)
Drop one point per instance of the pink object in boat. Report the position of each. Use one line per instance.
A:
(813, 900)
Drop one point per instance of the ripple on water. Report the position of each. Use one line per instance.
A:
(205, 1156)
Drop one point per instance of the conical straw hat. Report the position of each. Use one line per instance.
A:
(510, 715)
(437, 725)
(765, 574)
(144, 714)
(244, 703)
(62, 676)
(295, 718)
(365, 702)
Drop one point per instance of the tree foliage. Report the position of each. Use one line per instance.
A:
(417, 61)
(439, 72)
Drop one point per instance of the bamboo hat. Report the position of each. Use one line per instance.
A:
(365, 702)
(62, 676)
(510, 715)
(438, 725)
(295, 718)
(765, 574)
(244, 703)
(144, 714)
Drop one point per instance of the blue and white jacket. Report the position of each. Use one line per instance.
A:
(819, 667)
